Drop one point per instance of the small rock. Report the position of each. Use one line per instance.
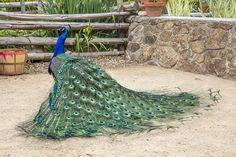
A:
(147, 52)
(220, 67)
(166, 56)
(233, 41)
(169, 25)
(133, 47)
(198, 46)
(199, 58)
(213, 53)
(185, 55)
(182, 29)
(185, 66)
(216, 25)
(165, 36)
(233, 63)
(232, 72)
(197, 34)
(150, 30)
(181, 42)
(227, 54)
(150, 39)
(216, 39)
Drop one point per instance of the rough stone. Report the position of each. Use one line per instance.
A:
(220, 67)
(233, 41)
(147, 53)
(184, 65)
(137, 29)
(165, 36)
(181, 42)
(203, 27)
(227, 54)
(232, 72)
(150, 30)
(160, 25)
(169, 25)
(198, 46)
(209, 65)
(185, 55)
(191, 66)
(199, 58)
(216, 39)
(166, 57)
(233, 63)
(225, 26)
(198, 33)
(133, 47)
(213, 53)
(182, 29)
(150, 39)
(130, 38)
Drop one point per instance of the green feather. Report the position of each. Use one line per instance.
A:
(86, 101)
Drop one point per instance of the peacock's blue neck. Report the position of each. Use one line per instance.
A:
(60, 45)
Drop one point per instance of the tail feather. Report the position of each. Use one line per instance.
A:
(88, 102)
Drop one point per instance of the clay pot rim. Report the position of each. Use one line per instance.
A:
(160, 3)
(13, 51)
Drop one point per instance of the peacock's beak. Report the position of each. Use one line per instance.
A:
(68, 27)
(63, 28)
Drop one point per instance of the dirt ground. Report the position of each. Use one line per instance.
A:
(212, 134)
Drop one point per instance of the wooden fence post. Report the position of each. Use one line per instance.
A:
(22, 6)
(121, 33)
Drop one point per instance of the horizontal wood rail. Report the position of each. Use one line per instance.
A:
(59, 17)
(47, 56)
(17, 4)
(47, 41)
(32, 25)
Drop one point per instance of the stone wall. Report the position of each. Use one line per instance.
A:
(199, 45)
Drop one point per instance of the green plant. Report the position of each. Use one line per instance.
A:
(195, 5)
(84, 41)
(179, 7)
(223, 9)
(22, 33)
(77, 6)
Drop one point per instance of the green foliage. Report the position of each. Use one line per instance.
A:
(179, 7)
(21, 33)
(77, 6)
(195, 5)
(84, 41)
(223, 8)
(5, 1)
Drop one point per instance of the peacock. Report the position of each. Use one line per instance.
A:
(85, 101)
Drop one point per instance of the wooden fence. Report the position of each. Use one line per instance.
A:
(16, 21)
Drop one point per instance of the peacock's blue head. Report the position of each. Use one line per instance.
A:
(65, 29)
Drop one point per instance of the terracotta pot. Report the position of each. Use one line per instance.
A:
(12, 61)
(153, 8)
(205, 8)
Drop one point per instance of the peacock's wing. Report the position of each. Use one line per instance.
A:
(86, 101)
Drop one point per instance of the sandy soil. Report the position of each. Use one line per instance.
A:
(212, 134)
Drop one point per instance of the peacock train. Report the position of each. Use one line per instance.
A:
(86, 101)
